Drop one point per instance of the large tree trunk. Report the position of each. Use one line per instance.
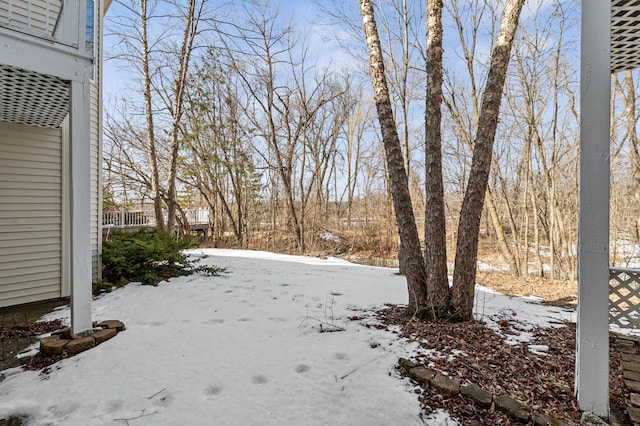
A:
(152, 155)
(464, 275)
(415, 272)
(435, 237)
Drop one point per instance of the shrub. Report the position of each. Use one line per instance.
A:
(146, 256)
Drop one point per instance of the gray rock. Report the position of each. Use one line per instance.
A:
(545, 420)
(512, 407)
(422, 374)
(446, 385)
(406, 364)
(482, 397)
(590, 419)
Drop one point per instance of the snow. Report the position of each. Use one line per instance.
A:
(328, 236)
(245, 349)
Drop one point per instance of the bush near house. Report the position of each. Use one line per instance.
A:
(146, 256)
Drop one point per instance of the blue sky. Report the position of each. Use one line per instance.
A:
(310, 22)
(304, 15)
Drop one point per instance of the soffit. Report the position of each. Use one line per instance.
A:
(32, 98)
(625, 35)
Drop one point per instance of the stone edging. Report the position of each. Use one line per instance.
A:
(629, 349)
(513, 408)
(61, 343)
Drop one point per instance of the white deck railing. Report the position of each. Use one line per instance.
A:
(146, 218)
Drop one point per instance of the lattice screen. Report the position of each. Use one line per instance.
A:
(624, 297)
(625, 35)
(31, 98)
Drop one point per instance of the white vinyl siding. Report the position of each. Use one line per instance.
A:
(37, 17)
(30, 213)
(96, 219)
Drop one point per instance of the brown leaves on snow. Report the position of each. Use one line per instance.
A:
(476, 354)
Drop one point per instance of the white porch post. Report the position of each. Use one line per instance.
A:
(592, 358)
(80, 209)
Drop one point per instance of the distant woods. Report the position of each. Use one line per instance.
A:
(271, 124)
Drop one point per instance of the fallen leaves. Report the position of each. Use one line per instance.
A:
(29, 330)
(479, 355)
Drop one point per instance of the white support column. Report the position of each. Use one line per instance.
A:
(80, 209)
(592, 358)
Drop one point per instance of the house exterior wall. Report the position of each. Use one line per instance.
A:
(37, 17)
(96, 185)
(36, 226)
(31, 190)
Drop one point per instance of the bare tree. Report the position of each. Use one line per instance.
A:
(152, 153)
(414, 265)
(435, 238)
(466, 114)
(467, 244)
(192, 18)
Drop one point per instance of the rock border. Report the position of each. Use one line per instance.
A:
(62, 343)
(515, 409)
(629, 349)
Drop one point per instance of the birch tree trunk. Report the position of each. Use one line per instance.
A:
(415, 271)
(464, 274)
(435, 237)
(466, 125)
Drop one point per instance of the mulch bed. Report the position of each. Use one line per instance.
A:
(479, 355)
(29, 330)
(37, 362)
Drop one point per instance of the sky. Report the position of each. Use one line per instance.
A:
(321, 31)
(117, 81)
(245, 349)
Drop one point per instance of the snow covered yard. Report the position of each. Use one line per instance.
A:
(244, 349)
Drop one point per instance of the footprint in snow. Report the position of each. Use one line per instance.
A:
(258, 380)
(215, 321)
(115, 404)
(213, 390)
(341, 356)
(245, 319)
(163, 399)
(302, 368)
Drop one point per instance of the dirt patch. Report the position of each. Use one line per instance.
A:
(16, 338)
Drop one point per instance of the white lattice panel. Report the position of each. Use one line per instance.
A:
(625, 35)
(30, 98)
(624, 297)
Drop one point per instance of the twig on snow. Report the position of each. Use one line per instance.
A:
(142, 414)
(157, 393)
(327, 325)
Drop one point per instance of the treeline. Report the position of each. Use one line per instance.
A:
(271, 124)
